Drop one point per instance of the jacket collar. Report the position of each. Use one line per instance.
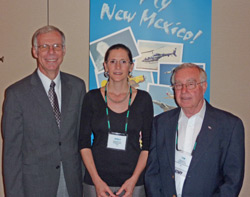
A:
(204, 139)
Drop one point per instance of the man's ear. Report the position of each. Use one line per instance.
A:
(204, 86)
(34, 52)
(64, 50)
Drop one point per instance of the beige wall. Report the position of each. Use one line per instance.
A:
(230, 55)
(19, 20)
(230, 66)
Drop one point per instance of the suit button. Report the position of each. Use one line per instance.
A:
(57, 167)
(174, 195)
(172, 176)
(60, 143)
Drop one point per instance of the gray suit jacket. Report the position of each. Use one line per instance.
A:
(217, 166)
(33, 144)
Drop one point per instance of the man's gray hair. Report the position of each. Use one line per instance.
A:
(203, 75)
(46, 29)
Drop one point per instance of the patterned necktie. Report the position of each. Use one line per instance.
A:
(54, 102)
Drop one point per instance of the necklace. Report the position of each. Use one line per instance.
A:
(107, 109)
(121, 99)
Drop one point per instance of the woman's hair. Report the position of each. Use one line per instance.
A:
(118, 46)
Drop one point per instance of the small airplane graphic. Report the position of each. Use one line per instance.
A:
(169, 96)
(155, 57)
(133, 81)
(163, 106)
(169, 71)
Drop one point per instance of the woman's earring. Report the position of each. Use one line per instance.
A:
(129, 74)
(106, 74)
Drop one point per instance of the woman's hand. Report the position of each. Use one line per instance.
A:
(103, 190)
(128, 186)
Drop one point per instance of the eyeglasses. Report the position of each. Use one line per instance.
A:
(121, 62)
(46, 47)
(189, 85)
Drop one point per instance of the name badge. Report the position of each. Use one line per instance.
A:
(117, 141)
(182, 162)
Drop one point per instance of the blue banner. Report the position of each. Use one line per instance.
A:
(161, 34)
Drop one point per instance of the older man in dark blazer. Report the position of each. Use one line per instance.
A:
(41, 124)
(196, 149)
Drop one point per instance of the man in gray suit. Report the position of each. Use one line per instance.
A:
(41, 123)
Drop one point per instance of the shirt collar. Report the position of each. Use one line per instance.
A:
(46, 81)
(200, 114)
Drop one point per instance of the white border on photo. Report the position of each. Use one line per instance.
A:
(100, 78)
(99, 47)
(159, 52)
(147, 75)
(170, 71)
(163, 99)
(167, 72)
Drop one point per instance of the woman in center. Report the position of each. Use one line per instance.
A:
(120, 118)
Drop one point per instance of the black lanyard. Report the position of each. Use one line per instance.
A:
(107, 110)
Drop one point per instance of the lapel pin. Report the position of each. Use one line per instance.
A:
(209, 127)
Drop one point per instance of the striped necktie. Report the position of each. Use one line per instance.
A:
(54, 102)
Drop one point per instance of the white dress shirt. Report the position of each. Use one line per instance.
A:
(46, 84)
(188, 130)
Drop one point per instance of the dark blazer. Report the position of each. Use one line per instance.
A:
(217, 166)
(33, 144)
